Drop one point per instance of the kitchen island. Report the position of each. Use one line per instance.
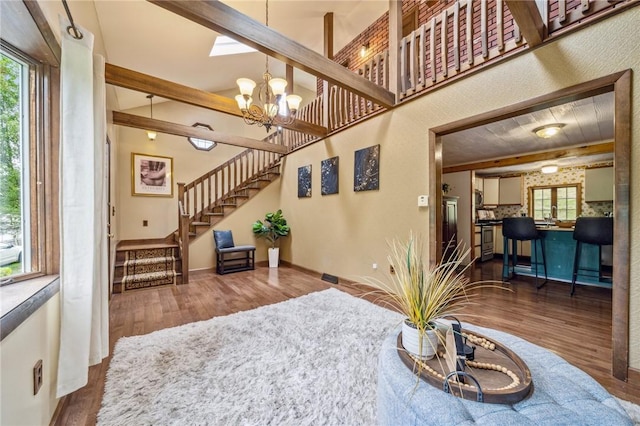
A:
(559, 247)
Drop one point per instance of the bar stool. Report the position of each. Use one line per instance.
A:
(521, 229)
(591, 230)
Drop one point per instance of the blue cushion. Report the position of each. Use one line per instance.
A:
(223, 239)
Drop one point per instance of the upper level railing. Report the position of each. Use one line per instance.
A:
(460, 39)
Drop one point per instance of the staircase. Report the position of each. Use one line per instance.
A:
(144, 264)
(201, 204)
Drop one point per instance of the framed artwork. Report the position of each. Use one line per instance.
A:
(304, 181)
(366, 170)
(151, 175)
(329, 176)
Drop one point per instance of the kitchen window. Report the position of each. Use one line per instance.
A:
(560, 202)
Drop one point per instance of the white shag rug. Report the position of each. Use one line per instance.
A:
(306, 361)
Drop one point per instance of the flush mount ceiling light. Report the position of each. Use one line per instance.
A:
(548, 130)
(551, 168)
(150, 133)
(202, 144)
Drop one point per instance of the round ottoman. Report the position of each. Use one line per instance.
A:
(562, 395)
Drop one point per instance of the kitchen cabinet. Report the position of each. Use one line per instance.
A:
(524, 247)
(479, 183)
(510, 191)
(598, 184)
(449, 225)
(491, 191)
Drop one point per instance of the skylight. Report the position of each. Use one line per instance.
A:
(227, 46)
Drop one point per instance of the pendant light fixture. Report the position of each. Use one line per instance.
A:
(271, 97)
(150, 133)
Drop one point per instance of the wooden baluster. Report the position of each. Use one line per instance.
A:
(500, 24)
(456, 36)
(444, 47)
(470, 32)
(562, 11)
(413, 67)
(483, 29)
(422, 53)
(404, 80)
(386, 69)
(432, 49)
(195, 199)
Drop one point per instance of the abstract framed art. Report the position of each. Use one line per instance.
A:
(304, 181)
(329, 176)
(366, 169)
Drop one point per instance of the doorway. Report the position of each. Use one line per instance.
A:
(620, 84)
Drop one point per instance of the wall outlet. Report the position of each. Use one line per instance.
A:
(391, 269)
(37, 377)
(423, 201)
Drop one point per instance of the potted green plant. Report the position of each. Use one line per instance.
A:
(273, 227)
(424, 294)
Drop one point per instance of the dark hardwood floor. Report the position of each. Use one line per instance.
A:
(577, 328)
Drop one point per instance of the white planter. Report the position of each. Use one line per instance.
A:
(411, 341)
(274, 255)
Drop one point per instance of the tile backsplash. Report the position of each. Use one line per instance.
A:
(565, 175)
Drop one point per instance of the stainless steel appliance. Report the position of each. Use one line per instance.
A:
(487, 243)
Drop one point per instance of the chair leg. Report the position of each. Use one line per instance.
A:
(576, 265)
(505, 259)
(544, 264)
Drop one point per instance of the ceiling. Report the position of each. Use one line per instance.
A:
(586, 122)
(141, 36)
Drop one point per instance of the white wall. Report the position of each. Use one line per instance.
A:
(36, 338)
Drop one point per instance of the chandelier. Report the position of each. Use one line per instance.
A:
(271, 98)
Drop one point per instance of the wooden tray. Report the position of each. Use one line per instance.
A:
(492, 382)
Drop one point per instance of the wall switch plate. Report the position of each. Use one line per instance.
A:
(423, 200)
(375, 266)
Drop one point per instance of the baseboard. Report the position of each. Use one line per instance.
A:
(314, 272)
(202, 271)
(633, 376)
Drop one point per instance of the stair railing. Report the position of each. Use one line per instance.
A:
(183, 241)
(207, 191)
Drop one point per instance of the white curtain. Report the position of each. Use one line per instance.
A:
(84, 328)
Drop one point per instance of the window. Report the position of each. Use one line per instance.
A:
(560, 202)
(23, 84)
(14, 167)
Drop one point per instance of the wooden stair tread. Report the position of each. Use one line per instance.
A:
(129, 247)
(200, 223)
(119, 280)
(213, 214)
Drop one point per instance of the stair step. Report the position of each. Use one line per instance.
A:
(200, 223)
(228, 204)
(213, 214)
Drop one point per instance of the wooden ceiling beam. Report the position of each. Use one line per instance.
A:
(601, 148)
(135, 121)
(221, 18)
(134, 80)
(527, 16)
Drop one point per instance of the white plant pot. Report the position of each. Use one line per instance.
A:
(274, 256)
(411, 341)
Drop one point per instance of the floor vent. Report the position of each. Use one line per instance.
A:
(330, 278)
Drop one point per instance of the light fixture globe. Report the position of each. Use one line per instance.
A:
(549, 168)
(277, 86)
(548, 130)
